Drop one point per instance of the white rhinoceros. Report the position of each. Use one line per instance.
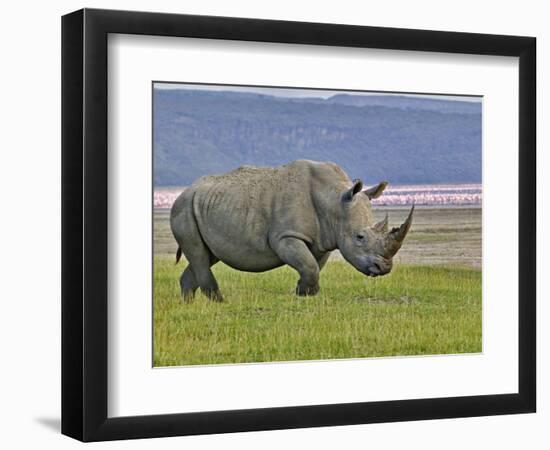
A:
(257, 218)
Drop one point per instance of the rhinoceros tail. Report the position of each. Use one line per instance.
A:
(178, 255)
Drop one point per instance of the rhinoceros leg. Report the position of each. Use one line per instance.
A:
(297, 255)
(188, 283)
(200, 266)
(200, 258)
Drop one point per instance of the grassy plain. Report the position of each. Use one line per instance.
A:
(429, 304)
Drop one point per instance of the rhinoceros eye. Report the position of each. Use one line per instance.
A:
(360, 237)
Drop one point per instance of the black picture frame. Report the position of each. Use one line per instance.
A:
(84, 224)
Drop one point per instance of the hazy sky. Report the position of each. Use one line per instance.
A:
(319, 93)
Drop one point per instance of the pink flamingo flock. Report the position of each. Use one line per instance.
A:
(429, 195)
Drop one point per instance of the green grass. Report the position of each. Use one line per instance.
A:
(415, 310)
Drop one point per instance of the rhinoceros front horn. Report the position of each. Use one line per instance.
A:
(396, 236)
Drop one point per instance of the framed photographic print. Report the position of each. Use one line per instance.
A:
(273, 224)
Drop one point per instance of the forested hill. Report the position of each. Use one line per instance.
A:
(406, 140)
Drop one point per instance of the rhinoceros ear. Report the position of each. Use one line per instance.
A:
(357, 186)
(376, 191)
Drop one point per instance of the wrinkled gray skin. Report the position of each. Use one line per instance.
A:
(256, 219)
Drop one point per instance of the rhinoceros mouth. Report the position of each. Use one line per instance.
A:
(373, 271)
(376, 270)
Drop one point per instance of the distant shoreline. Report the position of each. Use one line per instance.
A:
(440, 235)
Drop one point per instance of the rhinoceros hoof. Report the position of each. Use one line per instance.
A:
(216, 297)
(213, 294)
(307, 290)
(188, 297)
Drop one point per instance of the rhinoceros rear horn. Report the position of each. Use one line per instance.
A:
(382, 226)
(397, 235)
